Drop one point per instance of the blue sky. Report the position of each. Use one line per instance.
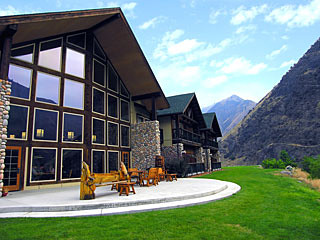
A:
(214, 48)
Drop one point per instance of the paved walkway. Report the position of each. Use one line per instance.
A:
(63, 202)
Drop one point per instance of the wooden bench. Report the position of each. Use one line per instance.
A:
(126, 187)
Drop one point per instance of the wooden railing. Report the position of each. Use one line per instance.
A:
(186, 135)
(209, 143)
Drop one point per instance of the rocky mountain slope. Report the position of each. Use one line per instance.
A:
(230, 111)
(287, 118)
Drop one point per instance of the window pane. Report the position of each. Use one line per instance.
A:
(73, 94)
(98, 131)
(43, 164)
(75, 63)
(47, 88)
(71, 163)
(97, 50)
(20, 78)
(113, 158)
(98, 101)
(112, 79)
(124, 136)
(113, 134)
(124, 110)
(78, 40)
(50, 54)
(112, 106)
(72, 128)
(98, 160)
(123, 90)
(17, 127)
(23, 53)
(45, 127)
(99, 73)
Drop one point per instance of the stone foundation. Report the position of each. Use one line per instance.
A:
(145, 144)
(5, 91)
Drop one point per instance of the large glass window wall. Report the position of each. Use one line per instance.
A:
(51, 107)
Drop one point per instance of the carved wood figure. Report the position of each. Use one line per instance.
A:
(90, 181)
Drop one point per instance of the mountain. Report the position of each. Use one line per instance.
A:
(230, 111)
(287, 118)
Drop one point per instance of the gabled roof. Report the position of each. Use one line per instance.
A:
(178, 104)
(113, 33)
(212, 123)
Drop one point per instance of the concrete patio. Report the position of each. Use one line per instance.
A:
(64, 202)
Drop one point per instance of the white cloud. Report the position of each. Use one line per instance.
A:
(276, 52)
(244, 29)
(129, 6)
(213, 16)
(9, 11)
(241, 14)
(296, 16)
(285, 37)
(288, 63)
(109, 4)
(184, 46)
(58, 3)
(239, 66)
(152, 22)
(214, 81)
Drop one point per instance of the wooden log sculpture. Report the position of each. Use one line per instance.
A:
(90, 181)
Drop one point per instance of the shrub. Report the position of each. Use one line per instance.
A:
(312, 166)
(273, 163)
(287, 160)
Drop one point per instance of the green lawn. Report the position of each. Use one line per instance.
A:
(267, 207)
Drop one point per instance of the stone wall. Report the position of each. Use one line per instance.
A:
(5, 91)
(145, 144)
(170, 153)
(207, 161)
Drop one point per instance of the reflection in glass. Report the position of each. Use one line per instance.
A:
(47, 88)
(73, 94)
(77, 39)
(99, 73)
(123, 90)
(112, 79)
(97, 50)
(98, 160)
(112, 106)
(98, 131)
(20, 78)
(113, 158)
(17, 127)
(71, 163)
(125, 136)
(72, 128)
(98, 101)
(23, 53)
(124, 110)
(50, 54)
(113, 134)
(75, 63)
(45, 125)
(43, 164)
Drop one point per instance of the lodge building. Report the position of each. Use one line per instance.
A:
(79, 80)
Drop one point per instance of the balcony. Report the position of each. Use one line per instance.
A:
(185, 135)
(210, 144)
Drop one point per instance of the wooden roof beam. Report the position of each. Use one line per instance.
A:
(146, 96)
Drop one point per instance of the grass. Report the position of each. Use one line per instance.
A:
(267, 207)
(305, 177)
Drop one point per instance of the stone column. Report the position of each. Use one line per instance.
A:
(145, 144)
(5, 91)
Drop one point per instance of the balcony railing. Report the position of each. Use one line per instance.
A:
(186, 135)
(210, 143)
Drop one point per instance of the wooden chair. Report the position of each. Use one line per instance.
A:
(150, 177)
(133, 172)
(161, 174)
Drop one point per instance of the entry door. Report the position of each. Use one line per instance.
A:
(125, 159)
(12, 169)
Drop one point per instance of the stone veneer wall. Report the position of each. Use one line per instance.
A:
(170, 153)
(145, 144)
(207, 161)
(5, 91)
